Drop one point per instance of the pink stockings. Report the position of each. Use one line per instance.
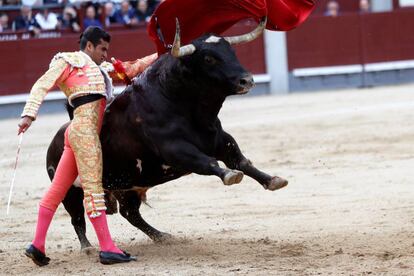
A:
(99, 224)
(43, 221)
(65, 175)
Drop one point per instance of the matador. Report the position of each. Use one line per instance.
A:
(84, 78)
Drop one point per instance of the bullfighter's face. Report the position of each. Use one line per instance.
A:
(99, 53)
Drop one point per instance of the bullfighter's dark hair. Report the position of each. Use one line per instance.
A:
(94, 35)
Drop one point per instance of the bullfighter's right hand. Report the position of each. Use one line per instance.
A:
(120, 71)
(24, 124)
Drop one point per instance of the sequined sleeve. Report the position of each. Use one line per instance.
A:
(42, 86)
(134, 68)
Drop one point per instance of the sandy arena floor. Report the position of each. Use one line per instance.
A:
(348, 209)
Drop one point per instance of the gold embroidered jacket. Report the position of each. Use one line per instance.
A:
(75, 74)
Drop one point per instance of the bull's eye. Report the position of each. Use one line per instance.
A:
(210, 60)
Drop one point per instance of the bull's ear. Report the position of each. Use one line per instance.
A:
(177, 50)
(248, 37)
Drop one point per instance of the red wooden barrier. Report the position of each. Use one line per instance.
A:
(325, 41)
(388, 36)
(352, 39)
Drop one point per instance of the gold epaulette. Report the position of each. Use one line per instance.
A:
(74, 59)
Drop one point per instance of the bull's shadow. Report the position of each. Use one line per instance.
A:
(165, 125)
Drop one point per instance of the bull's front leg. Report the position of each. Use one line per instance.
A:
(188, 157)
(229, 152)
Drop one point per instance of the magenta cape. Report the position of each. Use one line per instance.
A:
(197, 17)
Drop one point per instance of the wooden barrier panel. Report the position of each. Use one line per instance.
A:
(324, 41)
(388, 36)
(352, 39)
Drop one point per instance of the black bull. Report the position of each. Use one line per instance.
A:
(164, 126)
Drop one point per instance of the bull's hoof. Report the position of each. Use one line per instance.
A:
(276, 183)
(233, 177)
(162, 238)
(88, 250)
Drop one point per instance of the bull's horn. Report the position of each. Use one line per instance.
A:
(248, 37)
(177, 50)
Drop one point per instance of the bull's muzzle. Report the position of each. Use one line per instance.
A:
(246, 83)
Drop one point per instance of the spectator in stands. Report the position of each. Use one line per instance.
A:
(332, 8)
(69, 19)
(126, 15)
(4, 22)
(143, 12)
(25, 21)
(109, 14)
(364, 6)
(90, 18)
(47, 20)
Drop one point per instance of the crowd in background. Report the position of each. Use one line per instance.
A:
(74, 15)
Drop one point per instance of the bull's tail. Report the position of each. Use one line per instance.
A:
(69, 109)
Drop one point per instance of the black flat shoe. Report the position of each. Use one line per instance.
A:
(115, 258)
(36, 255)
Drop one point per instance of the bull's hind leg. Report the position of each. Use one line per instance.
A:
(73, 203)
(129, 203)
(229, 152)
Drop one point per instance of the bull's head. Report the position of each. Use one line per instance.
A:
(213, 58)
